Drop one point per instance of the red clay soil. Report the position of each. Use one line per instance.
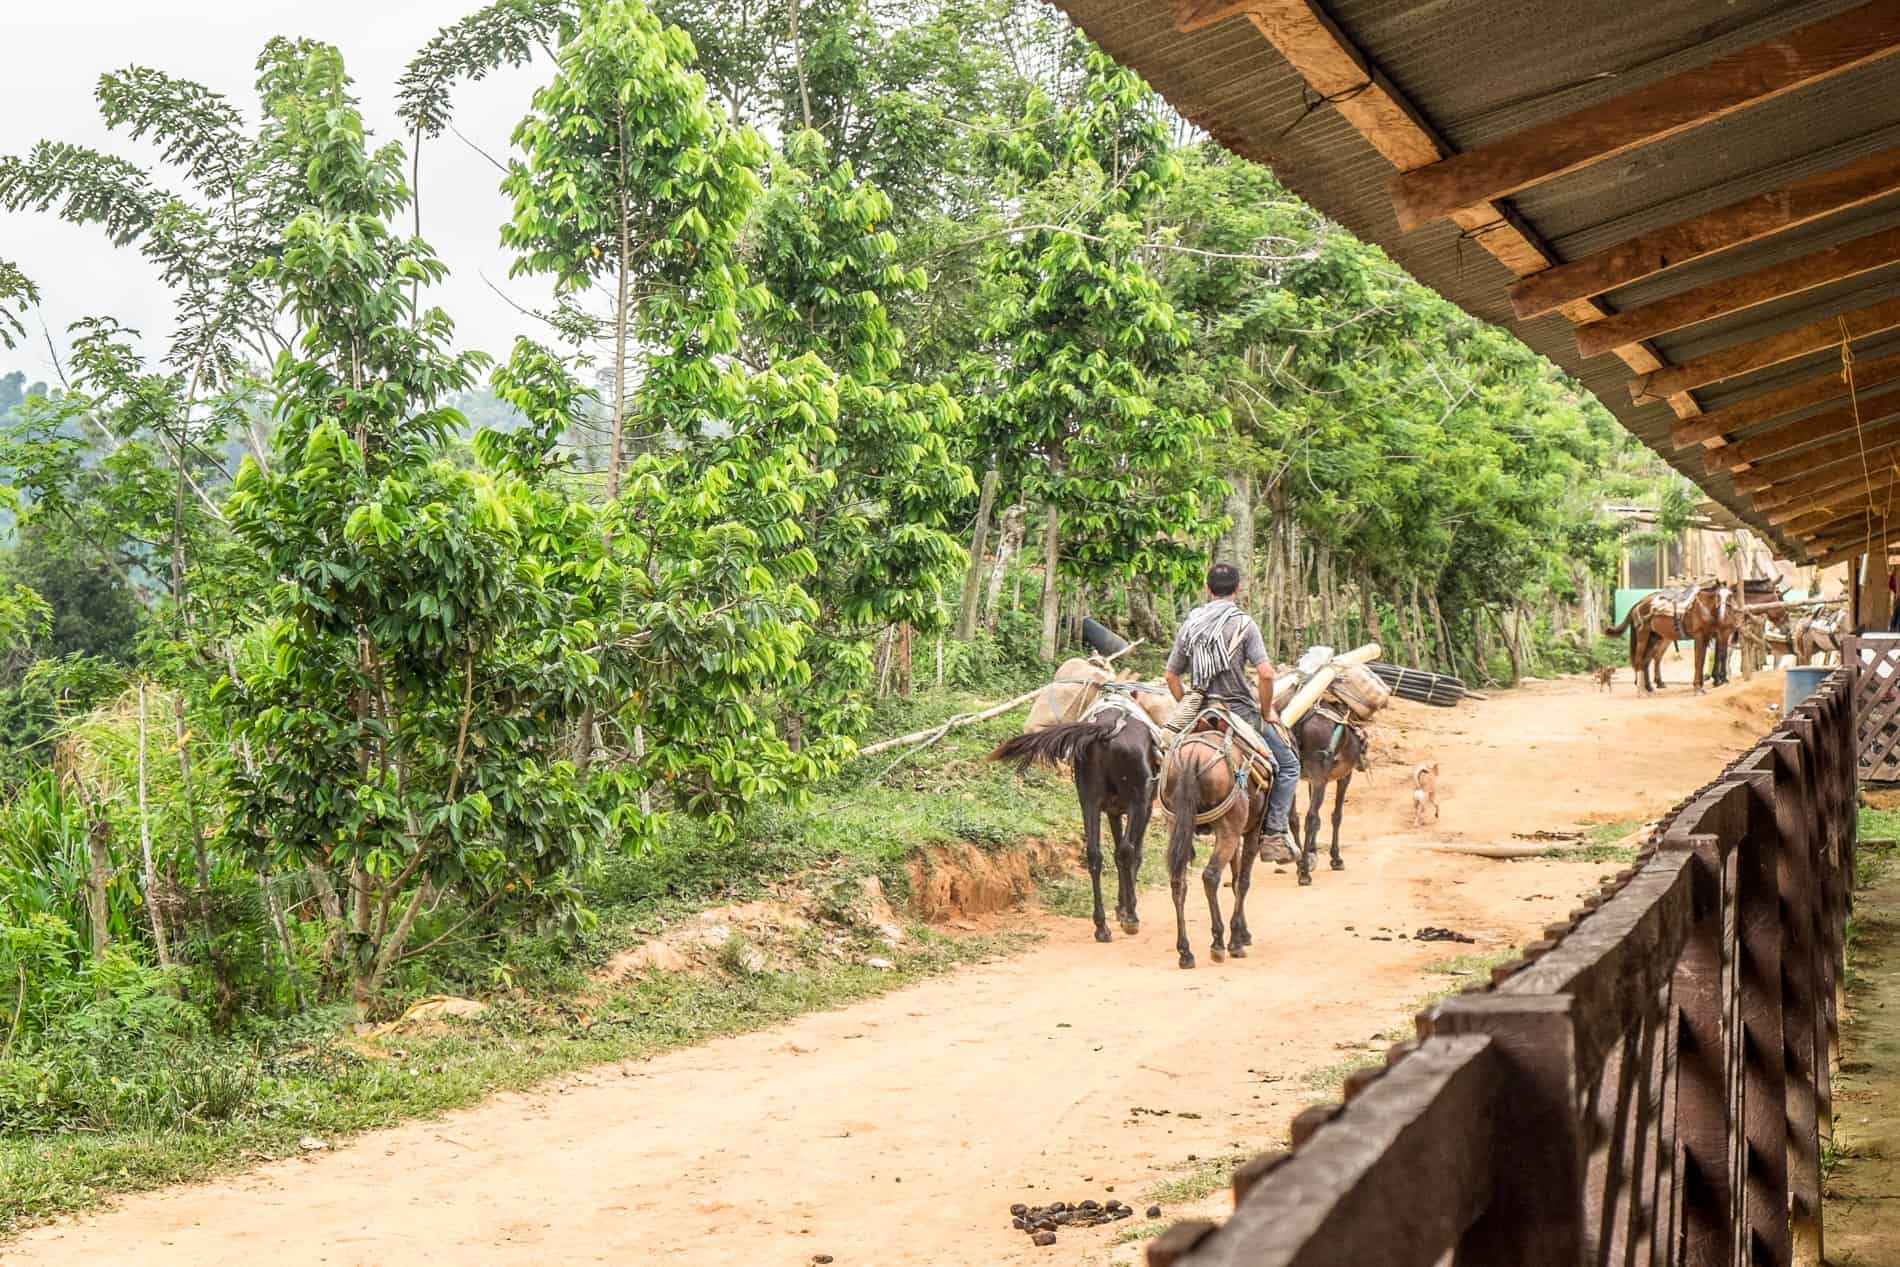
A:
(898, 1131)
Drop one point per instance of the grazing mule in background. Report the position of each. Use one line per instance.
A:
(1812, 636)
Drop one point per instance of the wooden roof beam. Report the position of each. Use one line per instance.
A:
(1775, 453)
(1760, 354)
(1712, 427)
(1842, 476)
(1820, 483)
(1845, 555)
(1668, 107)
(1739, 223)
(1813, 519)
(1851, 527)
(1336, 69)
(1855, 495)
(1738, 294)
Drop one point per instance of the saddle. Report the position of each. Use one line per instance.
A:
(1203, 731)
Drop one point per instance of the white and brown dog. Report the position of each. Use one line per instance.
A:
(1424, 793)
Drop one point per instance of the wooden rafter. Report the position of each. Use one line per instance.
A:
(1833, 481)
(1837, 500)
(1699, 237)
(1828, 553)
(1738, 294)
(1665, 108)
(1823, 386)
(1846, 554)
(1759, 354)
(1314, 45)
(1813, 519)
(1848, 470)
(1851, 526)
(1763, 454)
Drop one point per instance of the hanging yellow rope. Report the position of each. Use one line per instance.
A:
(1860, 439)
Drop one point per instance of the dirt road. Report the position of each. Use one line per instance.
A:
(900, 1130)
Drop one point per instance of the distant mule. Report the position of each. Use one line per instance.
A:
(1312, 738)
(1711, 616)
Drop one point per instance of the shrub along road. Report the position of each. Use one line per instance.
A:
(900, 1130)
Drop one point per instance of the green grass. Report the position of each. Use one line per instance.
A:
(1193, 1181)
(329, 1087)
(307, 1077)
(881, 811)
(1199, 1178)
(1871, 862)
(1602, 844)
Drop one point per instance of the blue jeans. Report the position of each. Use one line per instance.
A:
(1286, 766)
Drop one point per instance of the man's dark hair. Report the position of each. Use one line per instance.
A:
(1222, 580)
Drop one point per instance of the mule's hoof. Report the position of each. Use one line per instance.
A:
(1187, 960)
(1242, 938)
(1102, 933)
(1306, 877)
(1238, 950)
(1131, 926)
(1339, 864)
(1217, 955)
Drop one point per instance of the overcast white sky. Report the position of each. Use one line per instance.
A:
(55, 51)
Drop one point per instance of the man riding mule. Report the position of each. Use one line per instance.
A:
(1225, 745)
(1216, 645)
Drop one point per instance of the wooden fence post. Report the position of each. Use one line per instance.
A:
(1706, 1090)
(1792, 775)
(1535, 1218)
(1762, 1039)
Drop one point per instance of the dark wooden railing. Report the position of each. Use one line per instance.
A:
(1648, 1084)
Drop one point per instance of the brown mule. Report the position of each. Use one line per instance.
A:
(1712, 615)
(1200, 781)
(1312, 735)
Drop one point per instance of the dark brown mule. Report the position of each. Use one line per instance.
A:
(1199, 778)
(1311, 735)
(1114, 767)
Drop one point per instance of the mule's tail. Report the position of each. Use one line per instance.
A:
(1052, 745)
(1184, 802)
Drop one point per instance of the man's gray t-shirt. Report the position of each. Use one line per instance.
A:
(1233, 684)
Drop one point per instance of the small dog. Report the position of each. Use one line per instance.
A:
(1605, 677)
(1424, 793)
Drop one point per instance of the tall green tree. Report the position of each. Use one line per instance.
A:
(628, 176)
(879, 526)
(1079, 332)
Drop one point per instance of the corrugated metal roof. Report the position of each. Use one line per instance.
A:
(1478, 71)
